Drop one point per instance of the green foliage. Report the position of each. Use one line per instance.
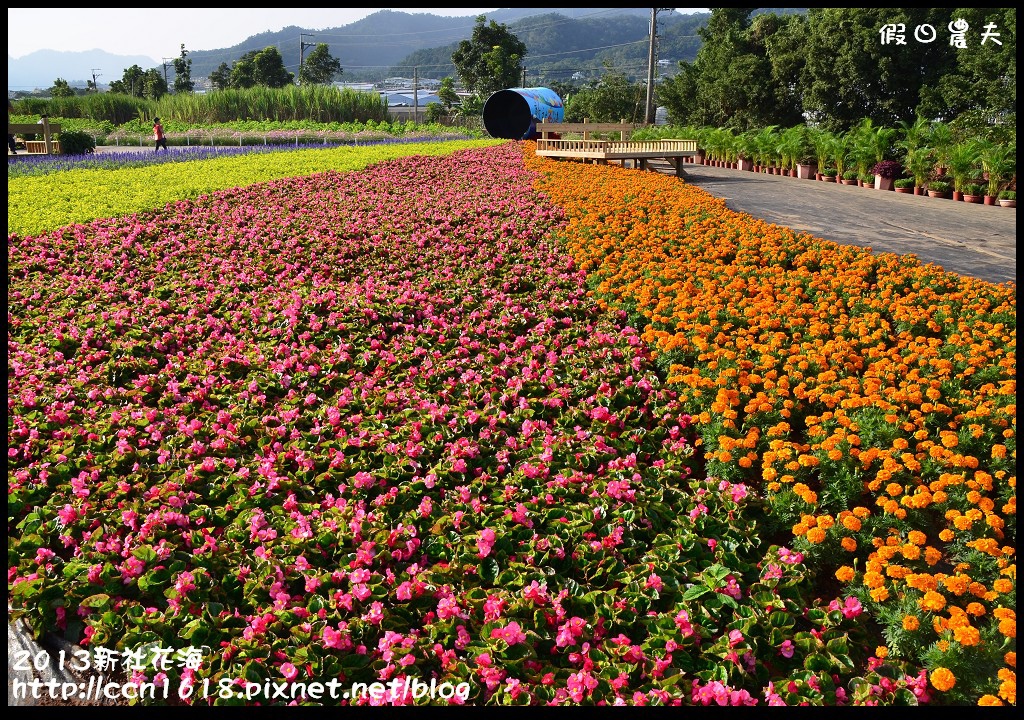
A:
(320, 68)
(75, 142)
(491, 60)
(61, 89)
(260, 68)
(611, 99)
(183, 73)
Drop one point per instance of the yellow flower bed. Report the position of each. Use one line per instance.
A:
(36, 204)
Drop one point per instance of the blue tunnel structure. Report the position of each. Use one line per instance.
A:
(507, 113)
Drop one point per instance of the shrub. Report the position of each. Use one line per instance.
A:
(850, 175)
(904, 183)
(1008, 195)
(938, 186)
(887, 169)
(828, 171)
(75, 142)
(974, 190)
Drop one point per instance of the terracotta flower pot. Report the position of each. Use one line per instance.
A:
(918, 190)
(936, 194)
(991, 200)
(958, 196)
(904, 191)
(1007, 203)
(976, 199)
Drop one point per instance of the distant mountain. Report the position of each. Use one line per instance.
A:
(41, 68)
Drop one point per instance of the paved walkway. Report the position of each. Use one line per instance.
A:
(975, 240)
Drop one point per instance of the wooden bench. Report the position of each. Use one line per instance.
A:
(46, 146)
(622, 152)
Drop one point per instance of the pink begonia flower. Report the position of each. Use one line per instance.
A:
(683, 623)
(786, 649)
(289, 671)
(485, 543)
(511, 633)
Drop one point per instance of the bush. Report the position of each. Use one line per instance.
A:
(938, 186)
(74, 142)
(828, 172)
(850, 175)
(974, 190)
(887, 169)
(1008, 195)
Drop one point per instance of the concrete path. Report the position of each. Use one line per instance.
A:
(975, 240)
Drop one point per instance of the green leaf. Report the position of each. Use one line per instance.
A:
(695, 592)
(98, 601)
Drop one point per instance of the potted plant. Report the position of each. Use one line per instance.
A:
(1008, 198)
(866, 180)
(919, 163)
(974, 193)
(850, 177)
(904, 185)
(999, 163)
(963, 165)
(819, 140)
(938, 189)
(828, 174)
(885, 173)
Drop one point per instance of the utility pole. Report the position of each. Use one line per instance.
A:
(416, 94)
(302, 47)
(649, 108)
(524, 76)
(94, 76)
(166, 62)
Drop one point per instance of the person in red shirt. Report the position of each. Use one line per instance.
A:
(158, 135)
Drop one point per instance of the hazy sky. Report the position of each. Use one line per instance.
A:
(158, 30)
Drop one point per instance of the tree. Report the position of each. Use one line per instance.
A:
(492, 60)
(183, 73)
(447, 95)
(61, 89)
(140, 83)
(221, 77)
(320, 68)
(260, 67)
(611, 99)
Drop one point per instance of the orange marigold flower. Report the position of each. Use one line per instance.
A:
(943, 645)
(911, 551)
(1010, 659)
(917, 537)
(873, 579)
(894, 489)
(1002, 585)
(933, 601)
(845, 573)
(816, 535)
(880, 594)
(881, 652)
(851, 523)
(932, 555)
(989, 700)
(1008, 627)
(976, 609)
(911, 623)
(861, 512)
(943, 679)
(849, 544)
(946, 535)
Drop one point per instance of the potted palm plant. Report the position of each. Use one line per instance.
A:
(963, 165)
(919, 162)
(746, 150)
(819, 142)
(999, 163)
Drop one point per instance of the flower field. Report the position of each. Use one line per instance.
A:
(565, 434)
